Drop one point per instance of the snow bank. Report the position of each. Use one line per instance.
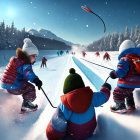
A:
(13, 124)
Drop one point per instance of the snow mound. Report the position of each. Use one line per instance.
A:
(12, 121)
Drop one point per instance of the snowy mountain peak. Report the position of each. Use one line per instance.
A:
(47, 34)
(33, 32)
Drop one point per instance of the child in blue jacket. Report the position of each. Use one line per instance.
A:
(129, 78)
(18, 72)
(75, 116)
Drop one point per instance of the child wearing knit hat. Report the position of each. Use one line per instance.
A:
(75, 116)
(18, 72)
(128, 77)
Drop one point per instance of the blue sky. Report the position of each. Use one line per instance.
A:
(67, 20)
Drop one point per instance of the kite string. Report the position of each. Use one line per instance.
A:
(86, 8)
(100, 19)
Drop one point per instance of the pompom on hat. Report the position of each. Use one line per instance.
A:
(29, 48)
(138, 46)
(72, 82)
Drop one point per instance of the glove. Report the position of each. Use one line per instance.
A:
(38, 83)
(113, 75)
(106, 85)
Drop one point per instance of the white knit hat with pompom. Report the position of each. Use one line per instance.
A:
(29, 48)
(126, 45)
(138, 46)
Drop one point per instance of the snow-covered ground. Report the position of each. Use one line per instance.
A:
(32, 126)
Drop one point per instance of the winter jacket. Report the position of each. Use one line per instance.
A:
(128, 76)
(84, 54)
(75, 115)
(44, 60)
(17, 72)
(106, 56)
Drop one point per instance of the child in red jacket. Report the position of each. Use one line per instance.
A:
(17, 74)
(44, 60)
(106, 56)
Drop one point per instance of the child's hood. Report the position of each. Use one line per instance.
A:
(78, 100)
(22, 55)
(129, 51)
(21, 58)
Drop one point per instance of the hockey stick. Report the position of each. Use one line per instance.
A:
(47, 98)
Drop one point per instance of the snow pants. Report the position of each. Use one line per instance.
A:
(27, 91)
(43, 65)
(120, 93)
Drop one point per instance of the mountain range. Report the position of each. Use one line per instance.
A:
(47, 34)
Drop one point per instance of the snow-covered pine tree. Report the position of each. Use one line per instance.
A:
(107, 42)
(132, 34)
(7, 30)
(12, 40)
(2, 35)
(127, 33)
(102, 44)
(136, 33)
(114, 42)
(120, 40)
(138, 39)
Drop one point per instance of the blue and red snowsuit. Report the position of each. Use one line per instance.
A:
(106, 56)
(44, 60)
(97, 53)
(84, 54)
(129, 79)
(75, 116)
(16, 76)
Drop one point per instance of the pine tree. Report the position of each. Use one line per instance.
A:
(138, 39)
(132, 34)
(120, 40)
(127, 34)
(2, 35)
(102, 44)
(136, 33)
(12, 38)
(7, 30)
(114, 41)
(107, 42)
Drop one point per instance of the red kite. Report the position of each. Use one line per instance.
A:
(89, 10)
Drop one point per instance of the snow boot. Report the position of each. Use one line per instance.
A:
(119, 108)
(130, 104)
(28, 106)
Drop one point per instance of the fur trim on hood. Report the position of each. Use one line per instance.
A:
(22, 55)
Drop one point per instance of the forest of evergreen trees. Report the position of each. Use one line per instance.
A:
(112, 42)
(12, 38)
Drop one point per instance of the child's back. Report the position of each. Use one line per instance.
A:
(76, 113)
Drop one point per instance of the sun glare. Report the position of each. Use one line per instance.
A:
(11, 12)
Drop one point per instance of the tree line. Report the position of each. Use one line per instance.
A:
(12, 38)
(111, 42)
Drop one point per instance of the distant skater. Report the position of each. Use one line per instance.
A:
(84, 53)
(43, 64)
(106, 56)
(97, 53)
